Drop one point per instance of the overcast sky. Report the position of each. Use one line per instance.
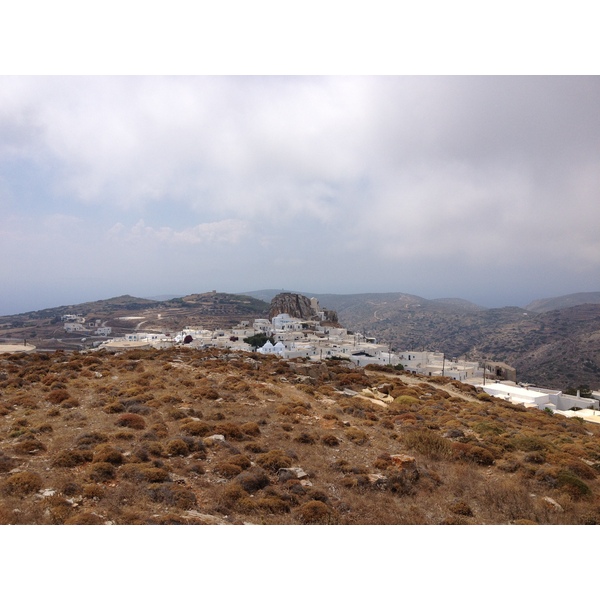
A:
(485, 188)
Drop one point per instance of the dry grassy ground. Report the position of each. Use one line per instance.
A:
(207, 437)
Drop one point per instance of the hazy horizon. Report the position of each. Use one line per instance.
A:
(479, 187)
(36, 306)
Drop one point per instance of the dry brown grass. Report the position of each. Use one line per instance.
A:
(134, 447)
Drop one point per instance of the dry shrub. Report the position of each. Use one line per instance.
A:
(114, 408)
(108, 453)
(306, 438)
(507, 498)
(172, 495)
(401, 483)
(250, 429)
(405, 401)
(72, 458)
(330, 440)
(274, 460)
(272, 504)
(461, 508)
(87, 441)
(101, 472)
(7, 463)
(198, 428)
(227, 469)
(255, 448)
(131, 420)
(572, 485)
(93, 491)
(357, 436)
(253, 479)
(22, 484)
(428, 443)
(58, 396)
(580, 469)
(529, 443)
(231, 497)
(472, 453)
(30, 446)
(85, 518)
(314, 512)
(537, 458)
(231, 431)
(177, 447)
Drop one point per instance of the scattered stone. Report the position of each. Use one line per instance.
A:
(404, 462)
(553, 504)
(291, 473)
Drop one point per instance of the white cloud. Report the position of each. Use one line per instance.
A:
(354, 176)
(228, 231)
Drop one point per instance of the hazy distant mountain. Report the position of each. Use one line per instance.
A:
(547, 304)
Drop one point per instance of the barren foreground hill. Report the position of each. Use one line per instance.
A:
(210, 437)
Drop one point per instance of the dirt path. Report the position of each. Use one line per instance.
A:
(411, 380)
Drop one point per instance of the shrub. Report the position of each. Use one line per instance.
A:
(306, 438)
(172, 495)
(314, 512)
(131, 420)
(22, 484)
(227, 469)
(198, 428)
(472, 453)
(30, 446)
(428, 443)
(177, 447)
(70, 403)
(101, 472)
(461, 508)
(330, 440)
(574, 486)
(85, 518)
(255, 448)
(72, 458)
(357, 436)
(229, 430)
(253, 480)
(529, 443)
(250, 429)
(57, 396)
(93, 490)
(274, 460)
(108, 453)
(89, 440)
(580, 469)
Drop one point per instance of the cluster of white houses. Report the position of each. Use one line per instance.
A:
(297, 338)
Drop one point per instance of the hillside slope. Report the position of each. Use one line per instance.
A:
(209, 437)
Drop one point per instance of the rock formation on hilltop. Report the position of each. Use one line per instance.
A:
(300, 307)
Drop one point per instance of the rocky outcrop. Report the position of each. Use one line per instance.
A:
(299, 307)
(295, 305)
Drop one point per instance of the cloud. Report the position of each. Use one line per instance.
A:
(229, 231)
(391, 182)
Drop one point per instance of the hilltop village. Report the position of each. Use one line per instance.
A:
(317, 336)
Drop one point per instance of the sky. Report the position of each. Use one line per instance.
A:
(480, 187)
(346, 154)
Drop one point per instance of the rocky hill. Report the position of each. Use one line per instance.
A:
(298, 306)
(568, 301)
(184, 436)
(124, 314)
